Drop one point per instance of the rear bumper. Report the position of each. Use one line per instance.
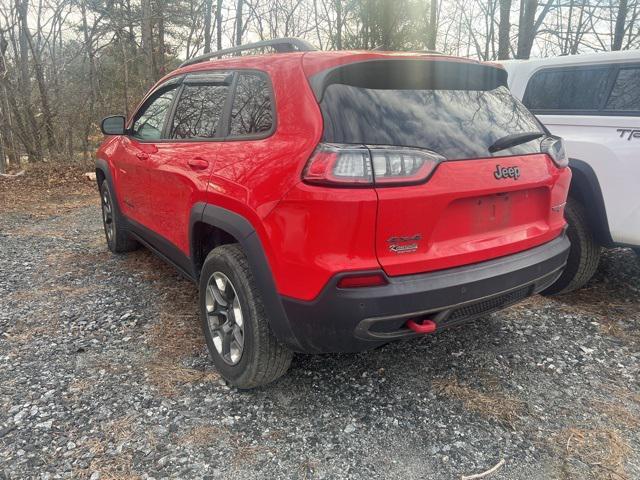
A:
(350, 320)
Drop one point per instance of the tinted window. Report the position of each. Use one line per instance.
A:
(454, 123)
(251, 112)
(626, 91)
(148, 125)
(199, 111)
(567, 89)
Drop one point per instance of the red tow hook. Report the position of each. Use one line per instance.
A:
(427, 326)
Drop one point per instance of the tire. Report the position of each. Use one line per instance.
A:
(227, 283)
(584, 253)
(115, 230)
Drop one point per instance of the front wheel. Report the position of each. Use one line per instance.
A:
(118, 239)
(235, 325)
(584, 253)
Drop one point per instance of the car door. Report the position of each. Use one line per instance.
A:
(137, 149)
(178, 171)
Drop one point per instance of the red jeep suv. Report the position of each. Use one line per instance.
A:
(335, 201)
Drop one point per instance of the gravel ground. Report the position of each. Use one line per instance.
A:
(104, 374)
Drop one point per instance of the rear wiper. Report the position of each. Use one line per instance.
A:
(514, 139)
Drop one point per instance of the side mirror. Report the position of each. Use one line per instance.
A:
(113, 125)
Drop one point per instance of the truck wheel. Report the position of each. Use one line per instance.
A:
(235, 325)
(584, 253)
(118, 239)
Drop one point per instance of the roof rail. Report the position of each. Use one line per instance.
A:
(280, 45)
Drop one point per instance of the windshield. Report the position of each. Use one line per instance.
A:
(457, 124)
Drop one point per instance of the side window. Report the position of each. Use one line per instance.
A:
(148, 124)
(252, 111)
(199, 110)
(625, 95)
(567, 89)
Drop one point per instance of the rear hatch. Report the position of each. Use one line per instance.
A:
(462, 194)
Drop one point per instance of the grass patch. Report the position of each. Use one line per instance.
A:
(492, 403)
(204, 435)
(177, 335)
(597, 453)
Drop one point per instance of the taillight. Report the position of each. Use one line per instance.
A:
(393, 166)
(554, 147)
(350, 165)
(339, 165)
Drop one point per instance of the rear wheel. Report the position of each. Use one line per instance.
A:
(118, 239)
(234, 322)
(584, 254)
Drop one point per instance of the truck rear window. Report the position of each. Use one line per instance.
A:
(458, 113)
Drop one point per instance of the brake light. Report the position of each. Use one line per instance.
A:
(339, 165)
(358, 281)
(350, 165)
(554, 147)
(393, 166)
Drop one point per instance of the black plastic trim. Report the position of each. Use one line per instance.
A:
(162, 248)
(240, 228)
(330, 322)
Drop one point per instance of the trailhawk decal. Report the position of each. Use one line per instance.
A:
(406, 247)
(632, 133)
(506, 172)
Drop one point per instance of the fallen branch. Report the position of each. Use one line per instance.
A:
(484, 474)
(9, 175)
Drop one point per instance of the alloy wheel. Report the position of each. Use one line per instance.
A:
(224, 318)
(107, 215)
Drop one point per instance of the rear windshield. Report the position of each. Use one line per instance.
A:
(445, 116)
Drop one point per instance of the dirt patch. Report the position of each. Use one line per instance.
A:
(48, 189)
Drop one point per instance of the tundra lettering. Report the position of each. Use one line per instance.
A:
(633, 133)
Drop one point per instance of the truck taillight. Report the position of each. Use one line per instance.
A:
(554, 147)
(350, 165)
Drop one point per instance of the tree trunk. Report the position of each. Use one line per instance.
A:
(160, 62)
(526, 32)
(207, 25)
(504, 30)
(31, 135)
(147, 41)
(432, 33)
(219, 24)
(339, 21)
(621, 18)
(239, 22)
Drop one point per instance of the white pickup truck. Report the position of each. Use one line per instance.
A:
(593, 102)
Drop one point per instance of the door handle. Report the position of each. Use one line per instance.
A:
(142, 156)
(198, 163)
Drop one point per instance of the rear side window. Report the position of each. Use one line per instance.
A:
(451, 111)
(199, 111)
(567, 89)
(252, 109)
(625, 95)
